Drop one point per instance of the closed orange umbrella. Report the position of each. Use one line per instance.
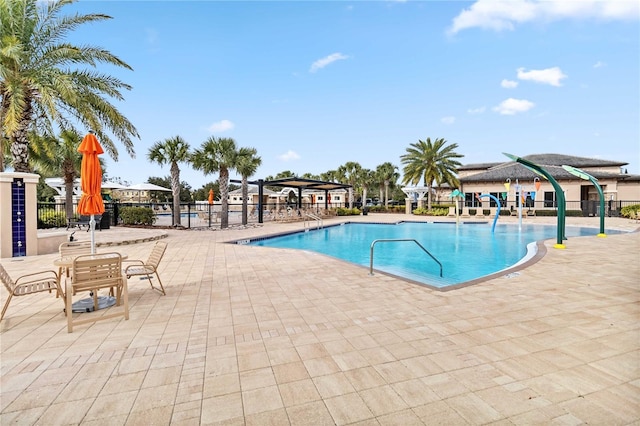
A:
(91, 202)
(211, 196)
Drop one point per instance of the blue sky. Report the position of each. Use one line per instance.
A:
(312, 85)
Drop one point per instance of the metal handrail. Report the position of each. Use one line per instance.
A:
(318, 220)
(399, 240)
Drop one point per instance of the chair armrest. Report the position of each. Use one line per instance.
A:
(133, 262)
(37, 276)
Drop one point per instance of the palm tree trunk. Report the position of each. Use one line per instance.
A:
(224, 194)
(386, 194)
(20, 143)
(175, 190)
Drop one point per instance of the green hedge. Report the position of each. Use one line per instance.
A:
(137, 216)
(422, 211)
(631, 211)
(49, 218)
(382, 209)
(347, 212)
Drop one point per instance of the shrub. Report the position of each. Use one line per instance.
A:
(137, 216)
(348, 212)
(630, 211)
(49, 218)
(422, 211)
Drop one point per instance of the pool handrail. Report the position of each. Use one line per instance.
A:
(318, 220)
(398, 240)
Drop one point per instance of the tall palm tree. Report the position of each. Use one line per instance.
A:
(171, 151)
(55, 156)
(350, 170)
(367, 179)
(247, 164)
(329, 176)
(388, 174)
(433, 162)
(45, 80)
(218, 155)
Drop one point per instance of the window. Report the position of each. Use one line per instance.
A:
(550, 199)
(492, 201)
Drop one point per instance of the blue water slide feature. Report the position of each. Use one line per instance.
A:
(495, 219)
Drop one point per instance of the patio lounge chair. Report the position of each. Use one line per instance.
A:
(148, 267)
(72, 249)
(92, 273)
(28, 284)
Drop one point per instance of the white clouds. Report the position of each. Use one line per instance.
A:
(476, 110)
(289, 156)
(221, 126)
(509, 84)
(550, 76)
(448, 120)
(323, 62)
(513, 106)
(599, 64)
(505, 15)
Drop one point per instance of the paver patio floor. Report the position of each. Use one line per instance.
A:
(261, 336)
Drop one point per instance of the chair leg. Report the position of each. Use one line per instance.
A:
(6, 305)
(161, 289)
(69, 309)
(125, 298)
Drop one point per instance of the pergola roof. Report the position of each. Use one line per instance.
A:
(302, 183)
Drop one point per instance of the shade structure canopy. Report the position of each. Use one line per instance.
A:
(90, 177)
(147, 187)
(112, 185)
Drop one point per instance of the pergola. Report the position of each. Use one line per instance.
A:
(295, 182)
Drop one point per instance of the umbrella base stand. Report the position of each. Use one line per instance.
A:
(86, 305)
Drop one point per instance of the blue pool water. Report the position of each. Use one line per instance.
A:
(466, 251)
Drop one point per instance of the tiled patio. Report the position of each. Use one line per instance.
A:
(260, 336)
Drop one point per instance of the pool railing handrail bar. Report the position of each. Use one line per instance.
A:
(312, 216)
(398, 240)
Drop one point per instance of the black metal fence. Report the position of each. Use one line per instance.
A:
(199, 215)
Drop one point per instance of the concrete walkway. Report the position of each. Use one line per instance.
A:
(261, 336)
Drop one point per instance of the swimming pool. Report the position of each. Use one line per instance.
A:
(467, 251)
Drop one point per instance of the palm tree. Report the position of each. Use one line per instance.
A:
(329, 176)
(247, 164)
(350, 170)
(52, 156)
(388, 174)
(367, 179)
(40, 86)
(171, 151)
(433, 162)
(217, 155)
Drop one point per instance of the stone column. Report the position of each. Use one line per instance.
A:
(407, 205)
(18, 214)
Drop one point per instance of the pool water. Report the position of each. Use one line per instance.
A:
(467, 251)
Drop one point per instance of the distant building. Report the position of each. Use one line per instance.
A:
(620, 188)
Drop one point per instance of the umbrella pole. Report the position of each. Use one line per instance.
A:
(92, 225)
